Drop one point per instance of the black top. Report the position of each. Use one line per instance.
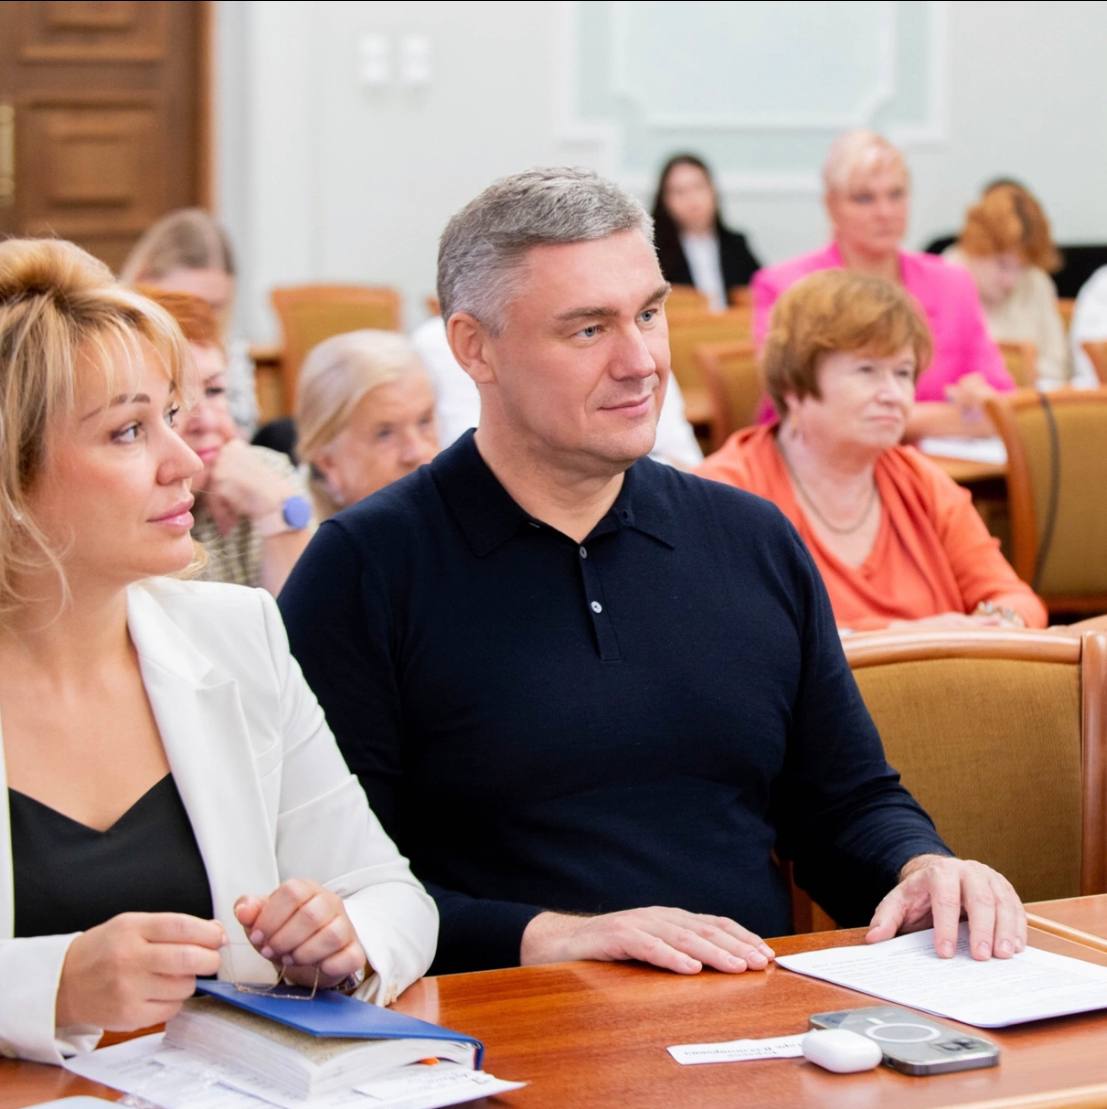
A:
(737, 260)
(639, 719)
(70, 877)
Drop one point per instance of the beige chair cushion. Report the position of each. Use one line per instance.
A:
(998, 766)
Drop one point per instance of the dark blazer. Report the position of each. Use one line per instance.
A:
(738, 261)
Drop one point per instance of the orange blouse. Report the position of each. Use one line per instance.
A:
(932, 552)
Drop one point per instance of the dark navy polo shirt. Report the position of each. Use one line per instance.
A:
(651, 717)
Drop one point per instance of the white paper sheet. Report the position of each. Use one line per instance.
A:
(1031, 986)
(989, 449)
(174, 1079)
(739, 1051)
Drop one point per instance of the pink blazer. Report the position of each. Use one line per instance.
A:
(946, 295)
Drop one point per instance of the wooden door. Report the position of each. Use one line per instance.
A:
(102, 118)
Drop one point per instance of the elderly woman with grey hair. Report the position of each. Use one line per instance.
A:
(867, 191)
(364, 415)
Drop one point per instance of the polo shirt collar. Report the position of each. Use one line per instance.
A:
(488, 517)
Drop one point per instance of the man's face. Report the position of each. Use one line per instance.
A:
(583, 359)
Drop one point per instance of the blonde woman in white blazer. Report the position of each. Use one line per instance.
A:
(118, 683)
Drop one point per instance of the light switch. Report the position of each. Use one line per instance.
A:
(374, 65)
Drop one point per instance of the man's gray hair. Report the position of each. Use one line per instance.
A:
(483, 247)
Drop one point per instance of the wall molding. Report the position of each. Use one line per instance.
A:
(604, 139)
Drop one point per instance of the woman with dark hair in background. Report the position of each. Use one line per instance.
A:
(694, 246)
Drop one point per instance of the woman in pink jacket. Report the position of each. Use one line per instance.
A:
(867, 193)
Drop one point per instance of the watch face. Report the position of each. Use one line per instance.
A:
(297, 512)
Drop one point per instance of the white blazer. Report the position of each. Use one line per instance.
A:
(266, 790)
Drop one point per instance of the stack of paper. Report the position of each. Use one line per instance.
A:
(173, 1079)
(326, 1049)
(300, 1064)
(994, 993)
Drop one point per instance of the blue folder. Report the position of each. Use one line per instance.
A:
(334, 1014)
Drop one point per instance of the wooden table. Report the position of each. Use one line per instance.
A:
(594, 1034)
(964, 471)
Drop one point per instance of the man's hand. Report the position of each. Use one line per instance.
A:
(936, 891)
(670, 938)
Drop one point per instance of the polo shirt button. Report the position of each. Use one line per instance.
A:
(584, 552)
(596, 607)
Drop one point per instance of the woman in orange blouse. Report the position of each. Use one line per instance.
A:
(894, 538)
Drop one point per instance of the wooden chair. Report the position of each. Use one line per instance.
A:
(689, 329)
(686, 298)
(732, 376)
(268, 383)
(309, 314)
(1065, 307)
(1022, 362)
(1002, 737)
(1056, 474)
(1097, 354)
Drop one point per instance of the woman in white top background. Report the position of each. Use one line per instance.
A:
(694, 246)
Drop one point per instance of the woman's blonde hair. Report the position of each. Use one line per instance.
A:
(188, 238)
(334, 378)
(336, 375)
(857, 152)
(837, 310)
(61, 313)
(1009, 218)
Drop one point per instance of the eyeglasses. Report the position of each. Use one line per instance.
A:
(282, 989)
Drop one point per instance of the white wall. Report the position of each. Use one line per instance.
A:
(325, 178)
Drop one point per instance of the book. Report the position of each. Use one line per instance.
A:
(321, 1046)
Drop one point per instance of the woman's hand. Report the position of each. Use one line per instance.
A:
(944, 620)
(245, 485)
(968, 393)
(135, 970)
(985, 615)
(302, 927)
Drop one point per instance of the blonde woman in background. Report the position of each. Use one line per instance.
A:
(364, 416)
(867, 196)
(1007, 247)
(173, 801)
(187, 251)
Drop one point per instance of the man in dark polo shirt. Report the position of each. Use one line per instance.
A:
(593, 698)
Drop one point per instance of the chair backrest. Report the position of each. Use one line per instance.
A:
(688, 329)
(1056, 474)
(1096, 350)
(1001, 736)
(309, 314)
(732, 374)
(1022, 362)
(686, 298)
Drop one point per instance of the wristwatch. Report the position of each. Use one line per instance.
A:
(293, 515)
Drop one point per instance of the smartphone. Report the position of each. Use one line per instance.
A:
(912, 1043)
